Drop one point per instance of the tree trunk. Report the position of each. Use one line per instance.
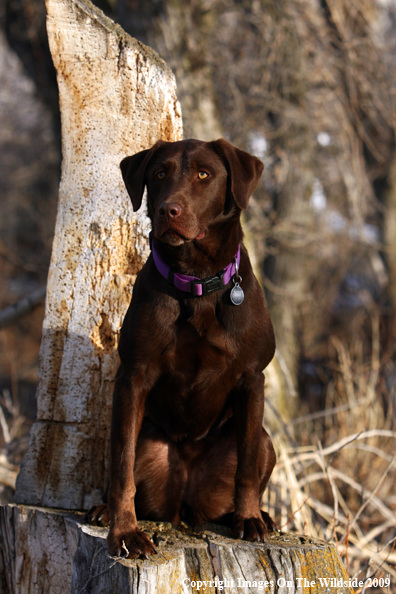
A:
(60, 555)
(117, 97)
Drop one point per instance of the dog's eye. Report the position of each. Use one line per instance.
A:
(202, 175)
(160, 174)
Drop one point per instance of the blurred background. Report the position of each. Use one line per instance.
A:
(309, 88)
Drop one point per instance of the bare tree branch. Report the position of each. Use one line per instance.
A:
(22, 307)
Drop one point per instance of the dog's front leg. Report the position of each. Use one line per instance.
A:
(130, 393)
(248, 414)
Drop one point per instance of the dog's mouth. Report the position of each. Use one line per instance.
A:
(174, 237)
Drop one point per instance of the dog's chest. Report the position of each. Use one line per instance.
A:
(201, 342)
(198, 371)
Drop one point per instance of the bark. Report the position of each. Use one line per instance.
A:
(60, 554)
(117, 97)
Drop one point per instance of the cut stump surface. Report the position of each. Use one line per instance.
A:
(51, 551)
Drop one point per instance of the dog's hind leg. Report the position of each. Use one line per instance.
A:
(160, 476)
(210, 493)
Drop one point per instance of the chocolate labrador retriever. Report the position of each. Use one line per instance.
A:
(187, 440)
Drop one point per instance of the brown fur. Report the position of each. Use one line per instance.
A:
(187, 440)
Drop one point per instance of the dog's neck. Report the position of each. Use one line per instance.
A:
(205, 257)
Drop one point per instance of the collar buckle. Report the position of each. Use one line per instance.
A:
(209, 285)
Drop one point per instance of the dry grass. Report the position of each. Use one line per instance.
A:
(339, 485)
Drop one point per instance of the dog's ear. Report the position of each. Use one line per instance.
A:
(133, 170)
(244, 171)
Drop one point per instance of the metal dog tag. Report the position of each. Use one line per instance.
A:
(237, 295)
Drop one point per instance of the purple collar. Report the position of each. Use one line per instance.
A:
(198, 287)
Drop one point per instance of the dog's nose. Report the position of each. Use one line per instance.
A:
(170, 209)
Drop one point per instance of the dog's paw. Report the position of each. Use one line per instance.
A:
(130, 544)
(253, 529)
(98, 515)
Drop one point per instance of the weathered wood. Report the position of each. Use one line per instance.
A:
(117, 97)
(48, 552)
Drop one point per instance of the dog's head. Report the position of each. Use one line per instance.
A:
(191, 185)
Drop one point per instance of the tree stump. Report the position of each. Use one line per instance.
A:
(44, 551)
(117, 97)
